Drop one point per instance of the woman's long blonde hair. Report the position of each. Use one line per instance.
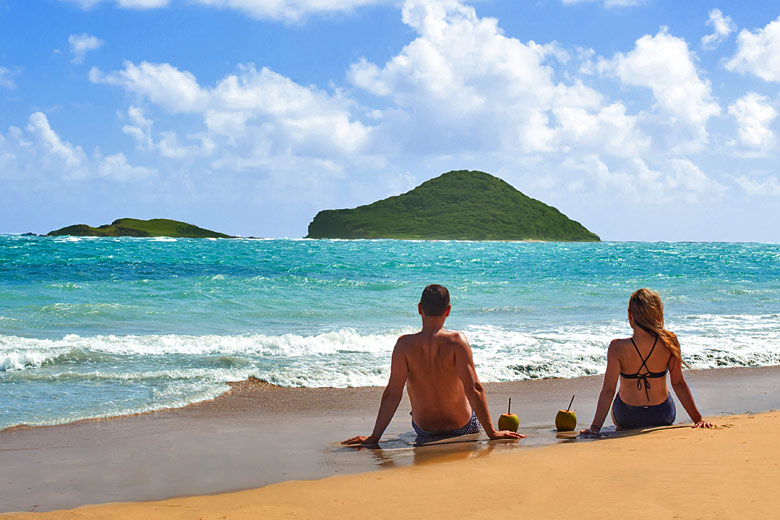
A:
(647, 312)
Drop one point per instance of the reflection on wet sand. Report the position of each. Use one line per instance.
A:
(408, 449)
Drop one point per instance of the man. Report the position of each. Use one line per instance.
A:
(438, 370)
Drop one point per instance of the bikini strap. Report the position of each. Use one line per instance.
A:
(644, 360)
(642, 379)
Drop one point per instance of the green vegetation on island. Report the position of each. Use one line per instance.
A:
(131, 227)
(458, 205)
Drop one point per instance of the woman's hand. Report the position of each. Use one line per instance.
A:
(593, 431)
(703, 424)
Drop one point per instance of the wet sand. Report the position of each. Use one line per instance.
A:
(258, 434)
(673, 472)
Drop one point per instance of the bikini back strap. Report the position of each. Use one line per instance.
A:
(642, 378)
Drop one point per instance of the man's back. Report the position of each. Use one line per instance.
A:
(434, 387)
(436, 367)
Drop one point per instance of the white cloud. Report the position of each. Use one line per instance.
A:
(289, 10)
(674, 180)
(81, 44)
(6, 79)
(758, 52)
(610, 129)
(721, 25)
(754, 114)
(309, 119)
(73, 156)
(138, 118)
(116, 167)
(142, 4)
(254, 113)
(293, 116)
(84, 4)
(228, 124)
(140, 129)
(125, 4)
(169, 144)
(7, 159)
(607, 3)
(664, 64)
(38, 151)
(281, 10)
(461, 84)
(768, 187)
(162, 84)
(688, 178)
(592, 166)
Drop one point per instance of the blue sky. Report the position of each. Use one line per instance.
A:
(643, 120)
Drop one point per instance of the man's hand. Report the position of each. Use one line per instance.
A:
(361, 440)
(505, 434)
(703, 424)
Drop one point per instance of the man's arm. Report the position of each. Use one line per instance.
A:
(391, 397)
(475, 392)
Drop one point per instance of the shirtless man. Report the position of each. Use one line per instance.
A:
(446, 395)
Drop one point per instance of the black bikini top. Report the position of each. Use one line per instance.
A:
(642, 378)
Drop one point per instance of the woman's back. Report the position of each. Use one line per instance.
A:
(644, 364)
(641, 364)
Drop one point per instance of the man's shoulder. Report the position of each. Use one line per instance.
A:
(407, 340)
(453, 337)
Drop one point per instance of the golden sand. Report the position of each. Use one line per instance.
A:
(677, 472)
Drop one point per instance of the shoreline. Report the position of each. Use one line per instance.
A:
(254, 387)
(681, 477)
(258, 434)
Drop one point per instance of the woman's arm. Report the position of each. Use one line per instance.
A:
(607, 390)
(684, 394)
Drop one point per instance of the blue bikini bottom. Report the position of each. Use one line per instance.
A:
(630, 417)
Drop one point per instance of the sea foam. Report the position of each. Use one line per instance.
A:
(348, 357)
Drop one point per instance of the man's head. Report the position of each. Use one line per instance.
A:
(435, 300)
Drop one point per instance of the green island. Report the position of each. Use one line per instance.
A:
(458, 205)
(131, 227)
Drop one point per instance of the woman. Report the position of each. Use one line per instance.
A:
(641, 362)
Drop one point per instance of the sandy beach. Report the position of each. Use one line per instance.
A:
(258, 435)
(674, 472)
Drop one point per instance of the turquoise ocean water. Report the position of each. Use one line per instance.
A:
(95, 327)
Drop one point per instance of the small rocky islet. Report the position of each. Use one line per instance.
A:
(131, 227)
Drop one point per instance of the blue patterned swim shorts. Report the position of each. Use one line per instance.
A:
(472, 426)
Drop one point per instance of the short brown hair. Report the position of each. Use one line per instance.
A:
(434, 300)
